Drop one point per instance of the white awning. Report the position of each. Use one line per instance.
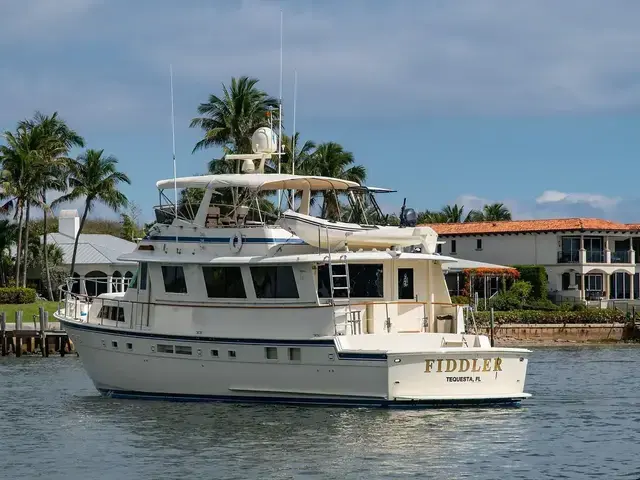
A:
(258, 181)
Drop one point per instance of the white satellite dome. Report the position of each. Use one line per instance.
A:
(264, 140)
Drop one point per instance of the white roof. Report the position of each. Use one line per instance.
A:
(258, 181)
(92, 248)
(369, 255)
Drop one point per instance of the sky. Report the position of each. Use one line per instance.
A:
(533, 103)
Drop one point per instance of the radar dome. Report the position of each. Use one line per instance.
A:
(264, 140)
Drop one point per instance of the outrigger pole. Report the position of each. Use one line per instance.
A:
(280, 117)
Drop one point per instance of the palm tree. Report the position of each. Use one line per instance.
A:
(230, 120)
(60, 139)
(450, 214)
(494, 212)
(8, 236)
(331, 160)
(96, 178)
(22, 159)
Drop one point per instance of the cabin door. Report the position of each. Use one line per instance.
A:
(141, 306)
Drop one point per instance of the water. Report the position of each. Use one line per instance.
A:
(583, 422)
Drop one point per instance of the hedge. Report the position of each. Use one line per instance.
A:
(536, 275)
(17, 295)
(592, 315)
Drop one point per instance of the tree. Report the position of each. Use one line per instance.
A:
(95, 178)
(229, 121)
(330, 159)
(22, 158)
(59, 139)
(8, 237)
(494, 212)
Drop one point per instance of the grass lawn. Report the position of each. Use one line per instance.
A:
(29, 309)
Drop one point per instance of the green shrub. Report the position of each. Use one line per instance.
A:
(542, 304)
(536, 275)
(17, 295)
(460, 300)
(579, 307)
(591, 315)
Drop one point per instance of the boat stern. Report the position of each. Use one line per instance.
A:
(458, 376)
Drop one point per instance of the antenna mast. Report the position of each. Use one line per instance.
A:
(293, 136)
(280, 116)
(173, 141)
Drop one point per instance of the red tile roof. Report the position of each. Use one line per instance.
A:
(530, 226)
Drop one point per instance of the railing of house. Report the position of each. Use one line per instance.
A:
(568, 257)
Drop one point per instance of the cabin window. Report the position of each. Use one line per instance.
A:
(271, 353)
(453, 246)
(232, 354)
(143, 276)
(224, 282)
(366, 281)
(174, 281)
(111, 313)
(274, 282)
(405, 284)
(183, 350)
(162, 348)
(295, 355)
(214, 353)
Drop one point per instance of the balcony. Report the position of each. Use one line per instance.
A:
(595, 256)
(569, 257)
(620, 257)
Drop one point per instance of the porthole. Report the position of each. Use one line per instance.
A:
(397, 360)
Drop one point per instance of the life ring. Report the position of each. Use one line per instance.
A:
(235, 243)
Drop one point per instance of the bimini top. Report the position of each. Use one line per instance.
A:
(258, 181)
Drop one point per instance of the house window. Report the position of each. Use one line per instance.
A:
(295, 355)
(274, 282)
(593, 282)
(143, 276)
(271, 353)
(366, 281)
(405, 284)
(566, 280)
(439, 248)
(174, 281)
(453, 246)
(224, 282)
(479, 244)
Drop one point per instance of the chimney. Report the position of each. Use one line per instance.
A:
(69, 223)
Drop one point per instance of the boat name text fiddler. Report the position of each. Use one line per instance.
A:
(463, 365)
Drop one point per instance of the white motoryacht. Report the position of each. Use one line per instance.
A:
(231, 304)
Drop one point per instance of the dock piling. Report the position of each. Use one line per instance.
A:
(3, 333)
(42, 315)
(491, 324)
(17, 339)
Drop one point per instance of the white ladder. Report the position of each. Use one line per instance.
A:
(344, 284)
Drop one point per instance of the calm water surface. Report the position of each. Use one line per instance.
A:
(582, 422)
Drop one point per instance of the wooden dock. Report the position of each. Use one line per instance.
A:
(33, 337)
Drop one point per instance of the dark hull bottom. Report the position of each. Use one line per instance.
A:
(325, 402)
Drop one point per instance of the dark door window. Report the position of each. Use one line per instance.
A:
(405, 284)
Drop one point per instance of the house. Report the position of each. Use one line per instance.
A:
(585, 258)
(97, 267)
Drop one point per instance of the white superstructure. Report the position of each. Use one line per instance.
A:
(229, 305)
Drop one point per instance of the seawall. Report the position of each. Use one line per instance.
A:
(521, 334)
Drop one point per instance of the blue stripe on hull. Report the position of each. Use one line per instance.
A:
(381, 357)
(266, 241)
(339, 402)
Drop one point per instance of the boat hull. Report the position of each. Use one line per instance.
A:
(129, 364)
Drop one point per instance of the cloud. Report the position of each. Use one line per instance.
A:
(353, 60)
(555, 204)
(592, 199)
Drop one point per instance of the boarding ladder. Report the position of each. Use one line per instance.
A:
(340, 281)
